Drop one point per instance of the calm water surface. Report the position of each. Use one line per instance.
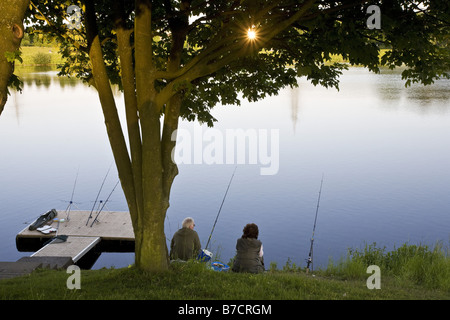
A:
(383, 150)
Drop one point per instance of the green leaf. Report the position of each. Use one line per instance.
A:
(15, 83)
(13, 56)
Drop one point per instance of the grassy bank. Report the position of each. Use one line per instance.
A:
(48, 55)
(337, 58)
(33, 56)
(346, 280)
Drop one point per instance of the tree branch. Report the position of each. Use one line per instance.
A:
(129, 88)
(112, 121)
(178, 26)
(149, 113)
(143, 51)
(203, 64)
(64, 35)
(287, 22)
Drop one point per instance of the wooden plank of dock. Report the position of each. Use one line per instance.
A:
(112, 225)
(74, 247)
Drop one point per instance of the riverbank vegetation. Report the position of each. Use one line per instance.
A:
(39, 50)
(49, 54)
(409, 272)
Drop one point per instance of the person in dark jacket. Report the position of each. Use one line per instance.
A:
(249, 251)
(185, 243)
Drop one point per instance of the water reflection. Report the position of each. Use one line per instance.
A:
(39, 81)
(43, 77)
(424, 100)
(295, 106)
(388, 85)
(383, 149)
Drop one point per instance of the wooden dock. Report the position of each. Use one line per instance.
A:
(73, 247)
(113, 232)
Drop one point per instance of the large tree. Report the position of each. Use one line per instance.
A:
(179, 58)
(12, 14)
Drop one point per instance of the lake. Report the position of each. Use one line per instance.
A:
(382, 149)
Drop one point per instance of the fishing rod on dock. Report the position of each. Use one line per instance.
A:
(69, 207)
(104, 203)
(310, 256)
(98, 194)
(218, 213)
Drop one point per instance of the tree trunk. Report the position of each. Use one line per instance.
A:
(150, 246)
(147, 175)
(11, 33)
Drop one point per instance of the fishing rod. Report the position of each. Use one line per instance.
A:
(218, 213)
(104, 203)
(98, 194)
(310, 256)
(69, 207)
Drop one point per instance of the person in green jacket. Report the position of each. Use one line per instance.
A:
(185, 243)
(249, 251)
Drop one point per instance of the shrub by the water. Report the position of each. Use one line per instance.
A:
(416, 264)
(41, 58)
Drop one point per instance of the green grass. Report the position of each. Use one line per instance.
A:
(337, 58)
(404, 274)
(32, 56)
(408, 264)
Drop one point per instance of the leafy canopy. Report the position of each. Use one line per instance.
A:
(215, 33)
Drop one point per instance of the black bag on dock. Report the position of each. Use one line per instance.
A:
(43, 219)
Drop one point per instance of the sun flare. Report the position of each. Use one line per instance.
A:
(251, 34)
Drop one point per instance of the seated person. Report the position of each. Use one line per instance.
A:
(249, 251)
(185, 243)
